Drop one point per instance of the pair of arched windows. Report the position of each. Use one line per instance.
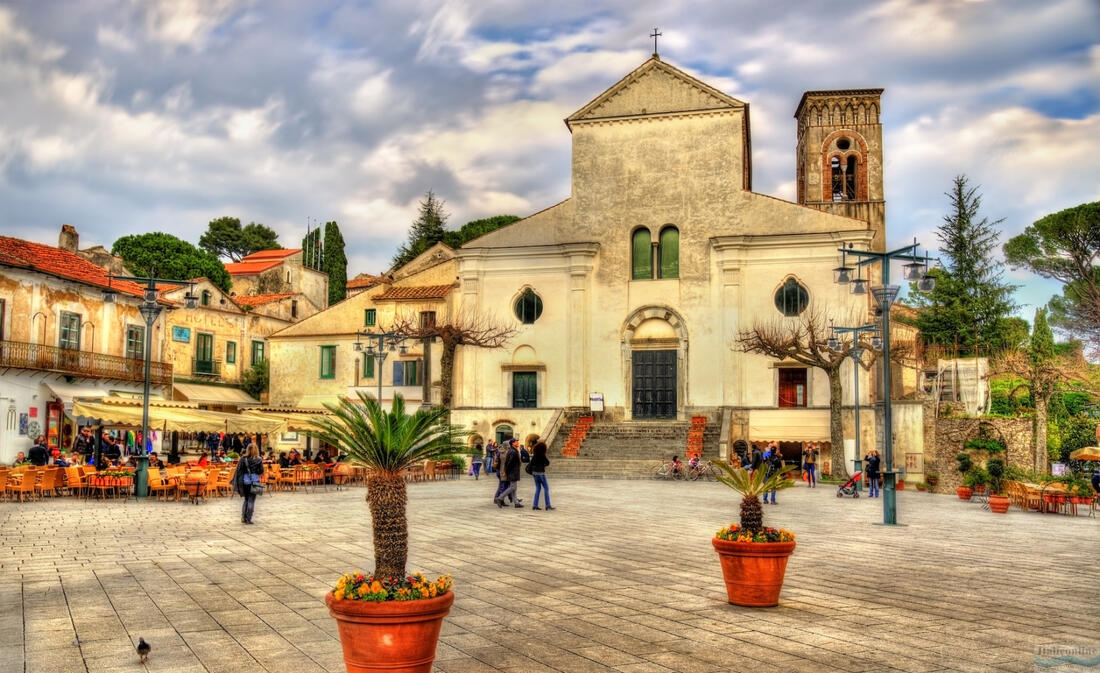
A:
(648, 261)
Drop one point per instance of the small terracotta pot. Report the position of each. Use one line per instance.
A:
(964, 492)
(393, 636)
(998, 504)
(753, 571)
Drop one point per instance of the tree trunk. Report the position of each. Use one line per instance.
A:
(1039, 433)
(446, 372)
(836, 425)
(387, 497)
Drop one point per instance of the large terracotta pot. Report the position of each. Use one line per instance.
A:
(964, 492)
(391, 636)
(753, 571)
(998, 504)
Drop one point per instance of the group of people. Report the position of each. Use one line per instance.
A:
(505, 460)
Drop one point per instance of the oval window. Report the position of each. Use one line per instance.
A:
(528, 307)
(792, 299)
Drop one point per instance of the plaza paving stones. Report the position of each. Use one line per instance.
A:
(622, 577)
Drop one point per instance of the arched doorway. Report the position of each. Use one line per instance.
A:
(503, 432)
(654, 352)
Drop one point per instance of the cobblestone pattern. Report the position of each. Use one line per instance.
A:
(621, 577)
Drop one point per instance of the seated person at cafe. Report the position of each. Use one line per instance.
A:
(203, 460)
(62, 460)
(222, 456)
(154, 461)
(112, 451)
(270, 457)
(20, 458)
(284, 462)
(322, 457)
(295, 457)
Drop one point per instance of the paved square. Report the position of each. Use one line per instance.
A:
(621, 577)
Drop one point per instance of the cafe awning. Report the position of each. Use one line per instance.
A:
(295, 420)
(221, 395)
(789, 425)
(173, 418)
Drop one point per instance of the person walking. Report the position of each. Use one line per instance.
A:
(249, 469)
(871, 466)
(539, 463)
(756, 460)
(773, 461)
(809, 464)
(509, 474)
(475, 461)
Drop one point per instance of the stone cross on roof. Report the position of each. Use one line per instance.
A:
(655, 35)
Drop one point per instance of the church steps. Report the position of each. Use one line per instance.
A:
(626, 449)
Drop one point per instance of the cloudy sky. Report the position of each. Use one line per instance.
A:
(124, 116)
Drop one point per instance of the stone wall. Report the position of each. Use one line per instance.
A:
(951, 433)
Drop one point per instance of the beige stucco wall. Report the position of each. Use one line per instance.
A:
(288, 276)
(34, 303)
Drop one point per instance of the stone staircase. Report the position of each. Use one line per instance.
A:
(626, 449)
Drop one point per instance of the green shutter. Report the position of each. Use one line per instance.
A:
(642, 255)
(230, 352)
(328, 362)
(368, 366)
(369, 317)
(669, 252)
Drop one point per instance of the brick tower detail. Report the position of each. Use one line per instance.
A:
(839, 155)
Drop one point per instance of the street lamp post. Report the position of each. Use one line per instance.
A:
(855, 352)
(149, 310)
(395, 341)
(885, 294)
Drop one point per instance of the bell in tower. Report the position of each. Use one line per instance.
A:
(840, 155)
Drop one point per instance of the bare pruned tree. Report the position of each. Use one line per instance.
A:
(465, 329)
(805, 340)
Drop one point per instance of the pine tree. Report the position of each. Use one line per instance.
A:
(335, 263)
(425, 232)
(970, 303)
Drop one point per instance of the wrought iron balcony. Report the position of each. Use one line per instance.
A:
(211, 368)
(40, 357)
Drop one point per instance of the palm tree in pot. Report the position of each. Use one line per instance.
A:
(369, 609)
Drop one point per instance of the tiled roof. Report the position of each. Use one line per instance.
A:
(414, 292)
(260, 299)
(364, 280)
(16, 252)
(245, 268)
(271, 254)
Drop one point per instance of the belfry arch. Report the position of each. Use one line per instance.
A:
(654, 345)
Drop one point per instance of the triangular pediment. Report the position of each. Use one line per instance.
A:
(655, 87)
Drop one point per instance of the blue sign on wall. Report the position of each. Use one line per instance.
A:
(181, 334)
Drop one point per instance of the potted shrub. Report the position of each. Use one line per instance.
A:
(387, 619)
(921, 486)
(753, 557)
(932, 479)
(976, 479)
(998, 501)
(965, 464)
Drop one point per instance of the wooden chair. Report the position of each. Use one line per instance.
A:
(21, 484)
(159, 483)
(50, 482)
(287, 479)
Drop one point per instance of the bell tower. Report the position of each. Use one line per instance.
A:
(839, 156)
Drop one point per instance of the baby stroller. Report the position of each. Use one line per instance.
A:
(849, 487)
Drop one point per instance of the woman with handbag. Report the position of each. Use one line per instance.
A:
(537, 469)
(249, 469)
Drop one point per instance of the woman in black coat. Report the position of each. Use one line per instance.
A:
(249, 469)
(538, 465)
(871, 465)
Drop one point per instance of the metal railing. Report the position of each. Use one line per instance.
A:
(41, 357)
(206, 367)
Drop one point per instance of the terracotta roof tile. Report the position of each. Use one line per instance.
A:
(271, 254)
(414, 292)
(16, 252)
(260, 299)
(245, 268)
(365, 280)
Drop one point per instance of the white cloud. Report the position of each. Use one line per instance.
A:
(109, 36)
(186, 22)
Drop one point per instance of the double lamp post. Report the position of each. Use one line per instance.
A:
(916, 270)
(149, 310)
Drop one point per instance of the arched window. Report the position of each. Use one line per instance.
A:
(206, 297)
(668, 253)
(641, 255)
(791, 299)
(528, 307)
(837, 179)
(850, 179)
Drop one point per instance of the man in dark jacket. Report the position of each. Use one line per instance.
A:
(84, 444)
(39, 455)
(757, 458)
(510, 473)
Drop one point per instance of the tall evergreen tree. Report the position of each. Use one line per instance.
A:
(336, 263)
(970, 303)
(425, 232)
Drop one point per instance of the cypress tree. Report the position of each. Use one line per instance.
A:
(335, 263)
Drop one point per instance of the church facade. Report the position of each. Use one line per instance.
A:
(630, 294)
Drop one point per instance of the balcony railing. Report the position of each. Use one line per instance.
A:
(81, 363)
(206, 367)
